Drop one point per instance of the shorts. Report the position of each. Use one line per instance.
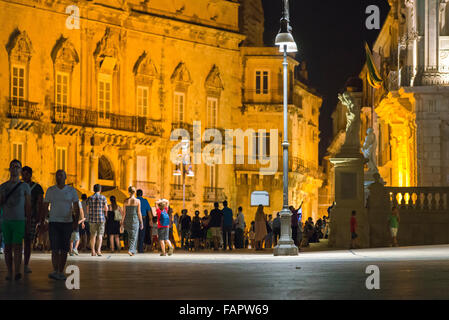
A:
(96, 229)
(75, 236)
(162, 234)
(31, 234)
(394, 232)
(215, 232)
(353, 235)
(59, 234)
(13, 231)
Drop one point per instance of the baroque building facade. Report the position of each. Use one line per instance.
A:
(101, 99)
(410, 114)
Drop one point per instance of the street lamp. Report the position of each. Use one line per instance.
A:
(184, 168)
(286, 43)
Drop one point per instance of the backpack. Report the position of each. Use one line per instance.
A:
(164, 218)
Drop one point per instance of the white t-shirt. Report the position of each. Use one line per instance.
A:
(61, 201)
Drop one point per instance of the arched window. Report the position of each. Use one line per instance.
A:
(64, 58)
(145, 72)
(181, 81)
(20, 50)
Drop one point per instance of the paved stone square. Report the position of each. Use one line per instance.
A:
(405, 273)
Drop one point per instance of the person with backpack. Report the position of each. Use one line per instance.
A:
(163, 225)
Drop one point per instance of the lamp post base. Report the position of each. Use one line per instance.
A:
(285, 250)
(286, 246)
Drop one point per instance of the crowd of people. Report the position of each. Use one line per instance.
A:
(57, 220)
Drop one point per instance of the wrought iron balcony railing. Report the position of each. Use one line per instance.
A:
(23, 109)
(176, 192)
(92, 118)
(183, 125)
(212, 194)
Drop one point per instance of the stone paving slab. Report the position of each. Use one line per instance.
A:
(405, 273)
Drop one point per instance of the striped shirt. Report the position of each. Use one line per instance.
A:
(97, 205)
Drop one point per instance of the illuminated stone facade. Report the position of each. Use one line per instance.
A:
(101, 101)
(411, 118)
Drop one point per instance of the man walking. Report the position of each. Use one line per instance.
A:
(145, 211)
(185, 222)
(64, 211)
(239, 229)
(269, 237)
(227, 225)
(215, 224)
(97, 206)
(15, 200)
(37, 196)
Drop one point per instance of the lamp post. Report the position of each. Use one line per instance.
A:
(286, 43)
(184, 168)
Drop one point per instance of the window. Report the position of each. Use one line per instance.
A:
(104, 96)
(212, 112)
(61, 158)
(261, 82)
(62, 92)
(261, 144)
(17, 152)
(142, 101)
(212, 176)
(142, 168)
(179, 105)
(18, 85)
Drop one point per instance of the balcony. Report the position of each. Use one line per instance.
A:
(91, 118)
(149, 189)
(176, 192)
(212, 194)
(273, 96)
(183, 125)
(23, 109)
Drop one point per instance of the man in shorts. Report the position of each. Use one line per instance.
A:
(15, 199)
(37, 196)
(215, 225)
(64, 211)
(97, 206)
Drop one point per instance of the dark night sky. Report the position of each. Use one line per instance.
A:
(330, 35)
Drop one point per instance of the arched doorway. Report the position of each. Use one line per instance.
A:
(106, 176)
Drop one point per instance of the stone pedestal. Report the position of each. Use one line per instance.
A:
(349, 196)
(286, 246)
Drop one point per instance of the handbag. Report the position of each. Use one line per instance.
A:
(117, 215)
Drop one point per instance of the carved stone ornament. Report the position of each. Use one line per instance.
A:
(19, 47)
(144, 69)
(213, 83)
(64, 55)
(181, 76)
(107, 46)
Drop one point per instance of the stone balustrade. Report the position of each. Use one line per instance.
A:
(417, 199)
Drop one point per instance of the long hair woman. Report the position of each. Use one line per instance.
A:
(260, 227)
(113, 224)
(132, 219)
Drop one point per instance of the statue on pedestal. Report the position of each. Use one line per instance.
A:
(369, 150)
(352, 121)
